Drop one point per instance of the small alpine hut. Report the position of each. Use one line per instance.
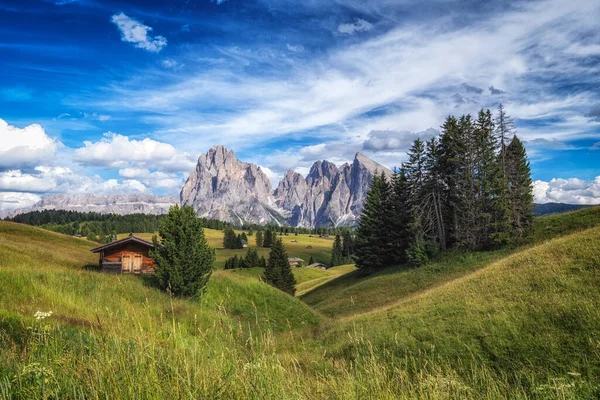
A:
(129, 255)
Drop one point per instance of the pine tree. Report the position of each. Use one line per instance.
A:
(268, 238)
(337, 255)
(259, 239)
(311, 261)
(399, 230)
(486, 176)
(347, 246)
(504, 131)
(263, 262)
(252, 260)
(448, 162)
(520, 195)
(183, 257)
(278, 272)
(372, 246)
(250, 232)
(244, 237)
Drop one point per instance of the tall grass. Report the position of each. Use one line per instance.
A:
(524, 327)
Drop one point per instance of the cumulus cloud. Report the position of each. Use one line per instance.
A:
(24, 148)
(13, 200)
(359, 25)
(137, 33)
(118, 151)
(64, 180)
(395, 141)
(571, 191)
(154, 179)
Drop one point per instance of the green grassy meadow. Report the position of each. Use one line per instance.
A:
(517, 323)
(321, 247)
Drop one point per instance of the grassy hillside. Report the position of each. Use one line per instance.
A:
(352, 294)
(533, 313)
(522, 325)
(320, 251)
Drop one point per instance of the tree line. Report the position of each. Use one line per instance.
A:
(468, 188)
(99, 227)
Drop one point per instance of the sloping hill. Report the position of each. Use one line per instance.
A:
(352, 294)
(535, 313)
(41, 270)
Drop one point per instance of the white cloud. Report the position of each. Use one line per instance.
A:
(26, 147)
(571, 191)
(156, 179)
(135, 32)
(395, 141)
(118, 151)
(359, 25)
(64, 180)
(13, 200)
(169, 63)
(295, 48)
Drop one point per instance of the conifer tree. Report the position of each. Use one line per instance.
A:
(347, 246)
(278, 272)
(252, 260)
(268, 238)
(372, 246)
(259, 239)
(311, 261)
(400, 219)
(337, 255)
(520, 195)
(183, 257)
(486, 175)
(504, 132)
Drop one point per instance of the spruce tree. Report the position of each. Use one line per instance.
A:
(399, 230)
(278, 272)
(311, 261)
(252, 260)
(372, 246)
(520, 195)
(337, 255)
(268, 238)
(504, 131)
(259, 239)
(184, 260)
(347, 246)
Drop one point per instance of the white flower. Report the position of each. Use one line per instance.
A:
(40, 315)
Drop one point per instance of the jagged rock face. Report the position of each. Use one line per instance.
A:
(222, 187)
(225, 188)
(105, 204)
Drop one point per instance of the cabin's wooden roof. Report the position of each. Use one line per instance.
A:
(123, 241)
(315, 265)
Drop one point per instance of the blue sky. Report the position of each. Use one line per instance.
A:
(122, 96)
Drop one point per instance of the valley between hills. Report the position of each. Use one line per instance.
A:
(521, 322)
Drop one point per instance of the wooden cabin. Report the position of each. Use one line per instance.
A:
(129, 255)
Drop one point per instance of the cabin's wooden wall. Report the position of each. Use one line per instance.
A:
(116, 254)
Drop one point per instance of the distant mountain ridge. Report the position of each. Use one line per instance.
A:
(556, 208)
(103, 204)
(225, 188)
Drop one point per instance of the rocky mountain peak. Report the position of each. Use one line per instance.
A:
(223, 187)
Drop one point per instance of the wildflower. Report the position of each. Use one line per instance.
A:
(40, 315)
